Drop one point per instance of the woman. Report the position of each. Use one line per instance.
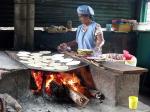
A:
(89, 35)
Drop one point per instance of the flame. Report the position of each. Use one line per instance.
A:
(72, 82)
(38, 78)
(69, 80)
(49, 79)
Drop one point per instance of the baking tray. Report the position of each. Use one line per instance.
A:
(13, 55)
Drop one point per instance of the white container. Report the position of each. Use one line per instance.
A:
(142, 27)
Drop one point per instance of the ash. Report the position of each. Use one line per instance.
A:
(32, 103)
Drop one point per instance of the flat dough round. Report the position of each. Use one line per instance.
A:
(47, 57)
(24, 52)
(36, 58)
(54, 64)
(66, 60)
(24, 58)
(22, 55)
(23, 61)
(45, 52)
(49, 68)
(45, 61)
(58, 55)
(30, 60)
(36, 54)
(73, 63)
(57, 58)
(62, 67)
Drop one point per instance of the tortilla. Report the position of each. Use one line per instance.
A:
(62, 68)
(47, 57)
(24, 58)
(66, 60)
(36, 54)
(45, 61)
(58, 55)
(45, 52)
(49, 68)
(22, 55)
(73, 63)
(57, 58)
(54, 64)
(23, 61)
(24, 52)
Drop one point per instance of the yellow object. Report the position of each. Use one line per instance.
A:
(125, 27)
(133, 102)
(85, 51)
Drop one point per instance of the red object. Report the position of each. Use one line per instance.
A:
(127, 55)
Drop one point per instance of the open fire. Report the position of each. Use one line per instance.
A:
(69, 81)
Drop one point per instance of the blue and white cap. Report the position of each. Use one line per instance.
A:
(85, 10)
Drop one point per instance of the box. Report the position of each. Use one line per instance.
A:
(123, 27)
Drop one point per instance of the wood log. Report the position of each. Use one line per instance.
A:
(2, 105)
(78, 98)
(97, 95)
(11, 102)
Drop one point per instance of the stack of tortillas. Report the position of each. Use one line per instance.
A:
(45, 60)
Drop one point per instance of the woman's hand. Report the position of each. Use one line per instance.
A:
(67, 46)
(63, 47)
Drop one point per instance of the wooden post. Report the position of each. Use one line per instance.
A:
(24, 24)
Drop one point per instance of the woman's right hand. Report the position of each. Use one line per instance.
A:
(62, 47)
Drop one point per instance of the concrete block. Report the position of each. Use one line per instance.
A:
(15, 83)
(116, 88)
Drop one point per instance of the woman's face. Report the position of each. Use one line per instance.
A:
(84, 19)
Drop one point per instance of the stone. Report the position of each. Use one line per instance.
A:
(11, 104)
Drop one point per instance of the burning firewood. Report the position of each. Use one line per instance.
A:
(37, 76)
(62, 87)
(60, 92)
(78, 98)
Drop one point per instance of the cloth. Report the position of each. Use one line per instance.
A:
(86, 35)
(85, 10)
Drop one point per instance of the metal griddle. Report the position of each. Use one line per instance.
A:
(13, 55)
